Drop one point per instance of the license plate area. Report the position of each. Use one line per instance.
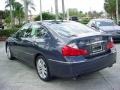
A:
(97, 47)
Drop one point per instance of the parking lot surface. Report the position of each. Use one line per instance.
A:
(14, 75)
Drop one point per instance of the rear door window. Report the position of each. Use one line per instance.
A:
(39, 31)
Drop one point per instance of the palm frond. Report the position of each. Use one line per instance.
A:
(33, 8)
(7, 5)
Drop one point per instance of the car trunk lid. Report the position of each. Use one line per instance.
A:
(95, 45)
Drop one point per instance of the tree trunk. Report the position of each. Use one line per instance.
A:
(26, 11)
(56, 9)
(63, 9)
(11, 15)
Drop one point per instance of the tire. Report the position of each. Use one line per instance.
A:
(42, 69)
(2, 27)
(9, 54)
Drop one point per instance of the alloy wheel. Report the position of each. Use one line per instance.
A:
(42, 69)
(8, 52)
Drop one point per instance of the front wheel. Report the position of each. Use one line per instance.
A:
(9, 54)
(42, 69)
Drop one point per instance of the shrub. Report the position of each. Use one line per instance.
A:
(85, 21)
(18, 26)
(45, 16)
(7, 32)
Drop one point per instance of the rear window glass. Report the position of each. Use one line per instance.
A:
(105, 23)
(70, 29)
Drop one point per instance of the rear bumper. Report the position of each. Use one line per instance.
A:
(65, 69)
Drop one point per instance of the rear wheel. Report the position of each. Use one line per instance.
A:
(42, 69)
(9, 54)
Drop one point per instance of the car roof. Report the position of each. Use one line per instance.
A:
(102, 20)
(49, 22)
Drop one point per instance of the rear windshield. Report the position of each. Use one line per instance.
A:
(105, 23)
(70, 29)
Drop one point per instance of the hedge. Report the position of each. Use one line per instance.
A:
(84, 21)
(7, 32)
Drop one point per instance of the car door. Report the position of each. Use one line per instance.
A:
(37, 41)
(42, 40)
(40, 36)
(19, 38)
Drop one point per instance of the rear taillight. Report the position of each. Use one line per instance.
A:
(71, 51)
(110, 44)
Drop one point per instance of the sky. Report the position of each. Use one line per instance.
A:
(81, 5)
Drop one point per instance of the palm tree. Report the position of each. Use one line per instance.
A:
(117, 11)
(10, 3)
(63, 9)
(19, 14)
(7, 17)
(41, 10)
(16, 10)
(2, 14)
(56, 9)
(110, 7)
(28, 4)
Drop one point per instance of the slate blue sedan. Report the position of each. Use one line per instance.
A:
(107, 26)
(61, 48)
